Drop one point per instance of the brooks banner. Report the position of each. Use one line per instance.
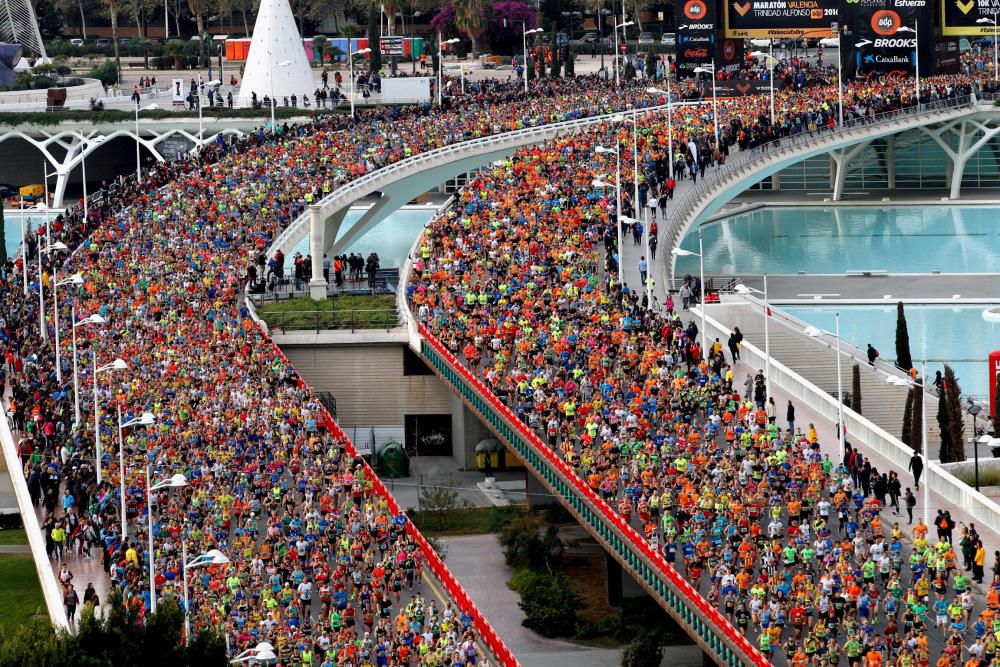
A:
(696, 22)
(878, 37)
(960, 17)
(780, 19)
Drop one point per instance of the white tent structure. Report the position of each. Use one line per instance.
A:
(277, 63)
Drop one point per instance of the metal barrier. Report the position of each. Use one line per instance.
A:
(685, 604)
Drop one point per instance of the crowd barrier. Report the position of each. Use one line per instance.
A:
(651, 570)
(486, 632)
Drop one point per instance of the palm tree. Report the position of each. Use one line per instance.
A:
(197, 8)
(472, 18)
(113, 12)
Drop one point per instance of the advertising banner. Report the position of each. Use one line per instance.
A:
(878, 37)
(780, 19)
(739, 88)
(730, 55)
(947, 57)
(391, 46)
(696, 22)
(959, 17)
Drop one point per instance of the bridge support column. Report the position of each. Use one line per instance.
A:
(842, 159)
(317, 286)
(466, 432)
(958, 141)
(890, 161)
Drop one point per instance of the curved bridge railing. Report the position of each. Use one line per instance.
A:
(381, 179)
(703, 622)
(753, 164)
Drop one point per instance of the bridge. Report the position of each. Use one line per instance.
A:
(961, 127)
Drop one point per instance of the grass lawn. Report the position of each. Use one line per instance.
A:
(13, 536)
(463, 521)
(350, 311)
(20, 592)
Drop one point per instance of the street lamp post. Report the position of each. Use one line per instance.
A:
(916, 56)
(993, 22)
(770, 59)
(524, 40)
(625, 24)
(598, 183)
(58, 246)
(710, 69)
(670, 125)
(173, 482)
(146, 419)
(974, 410)
(743, 289)
(214, 83)
(453, 40)
(83, 165)
(116, 365)
(138, 162)
(93, 319)
(815, 332)
(680, 252)
(359, 52)
(212, 557)
(274, 102)
(75, 279)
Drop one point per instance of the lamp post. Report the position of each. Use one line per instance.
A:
(75, 279)
(906, 382)
(625, 24)
(274, 102)
(24, 250)
(116, 365)
(740, 288)
(212, 557)
(770, 60)
(83, 165)
(93, 319)
(55, 247)
(214, 83)
(598, 183)
(680, 252)
(359, 52)
(138, 163)
(975, 410)
(916, 55)
(710, 69)
(173, 482)
(670, 126)
(815, 333)
(453, 40)
(146, 419)
(993, 22)
(524, 39)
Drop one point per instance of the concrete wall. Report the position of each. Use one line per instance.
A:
(90, 88)
(368, 382)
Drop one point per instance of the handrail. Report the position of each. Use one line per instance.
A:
(36, 540)
(433, 561)
(679, 217)
(636, 542)
(357, 188)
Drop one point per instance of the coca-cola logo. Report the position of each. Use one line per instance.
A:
(695, 53)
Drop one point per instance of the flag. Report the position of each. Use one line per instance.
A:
(769, 311)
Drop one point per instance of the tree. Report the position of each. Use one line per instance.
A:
(642, 651)
(112, 7)
(856, 388)
(550, 604)
(440, 501)
(197, 8)
(472, 17)
(917, 423)
(319, 45)
(903, 358)
(374, 21)
(444, 22)
(952, 425)
(908, 419)
(507, 20)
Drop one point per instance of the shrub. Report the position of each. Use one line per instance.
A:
(550, 604)
(642, 651)
(605, 627)
(106, 72)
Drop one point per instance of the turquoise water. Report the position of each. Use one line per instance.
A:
(955, 335)
(391, 239)
(838, 239)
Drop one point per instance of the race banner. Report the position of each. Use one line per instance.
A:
(780, 19)
(959, 17)
(878, 37)
(730, 55)
(696, 22)
(947, 58)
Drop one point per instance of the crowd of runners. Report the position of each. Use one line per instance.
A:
(318, 565)
(810, 557)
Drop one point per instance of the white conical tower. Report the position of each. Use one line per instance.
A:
(277, 56)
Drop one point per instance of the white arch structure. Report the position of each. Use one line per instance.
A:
(78, 145)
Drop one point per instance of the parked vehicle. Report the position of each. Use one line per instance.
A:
(645, 38)
(668, 39)
(829, 43)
